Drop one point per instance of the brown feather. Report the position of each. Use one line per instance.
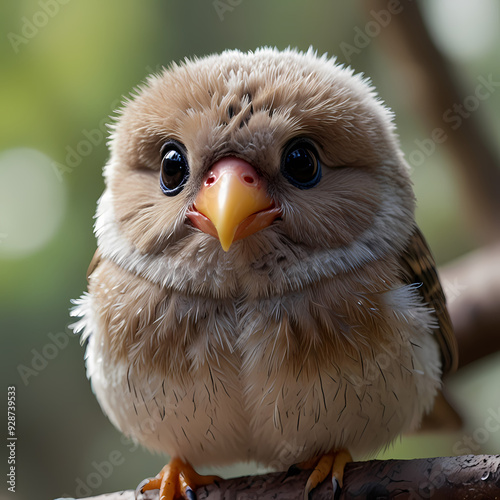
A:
(96, 259)
(419, 268)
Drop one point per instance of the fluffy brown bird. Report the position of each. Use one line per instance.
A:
(261, 290)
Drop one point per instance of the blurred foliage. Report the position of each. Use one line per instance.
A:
(65, 66)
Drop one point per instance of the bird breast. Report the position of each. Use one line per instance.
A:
(276, 380)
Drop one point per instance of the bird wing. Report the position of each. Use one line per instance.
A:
(419, 267)
(96, 259)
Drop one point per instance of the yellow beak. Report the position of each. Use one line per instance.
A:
(233, 202)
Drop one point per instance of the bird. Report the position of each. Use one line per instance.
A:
(261, 290)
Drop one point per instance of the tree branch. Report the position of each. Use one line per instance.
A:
(469, 476)
(472, 287)
(430, 80)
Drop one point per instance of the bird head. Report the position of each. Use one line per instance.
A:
(240, 158)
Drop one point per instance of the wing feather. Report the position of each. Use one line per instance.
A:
(419, 267)
(96, 259)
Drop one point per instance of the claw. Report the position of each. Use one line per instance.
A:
(336, 488)
(139, 490)
(293, 470)
(323, 467)
(341, 459)
(176, 480)
(190, 494)
(331, 463)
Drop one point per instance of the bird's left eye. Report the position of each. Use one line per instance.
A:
(300, 164)
(174, 168)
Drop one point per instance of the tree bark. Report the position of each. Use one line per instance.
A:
(472, 288)
(431, 83)
(470, 476)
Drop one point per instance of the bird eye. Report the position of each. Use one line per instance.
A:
(174, 168)
(300, 164)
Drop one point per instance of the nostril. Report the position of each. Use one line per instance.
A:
(210, 180)
(249, 179)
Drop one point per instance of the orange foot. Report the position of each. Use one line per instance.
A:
(176, 480)
(331, 463)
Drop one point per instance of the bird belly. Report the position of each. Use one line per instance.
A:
(359, 395)
(339, 408)
(208, 423)
(239, 404)
(201, 419)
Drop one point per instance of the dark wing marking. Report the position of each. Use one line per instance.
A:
(94, 263)
(419, 267)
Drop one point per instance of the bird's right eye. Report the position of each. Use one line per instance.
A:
(300, 164)
(174, 168)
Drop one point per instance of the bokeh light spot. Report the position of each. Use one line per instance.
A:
(32, 202)
(464, 29)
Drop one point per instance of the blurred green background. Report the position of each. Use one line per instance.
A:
(65, 65)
